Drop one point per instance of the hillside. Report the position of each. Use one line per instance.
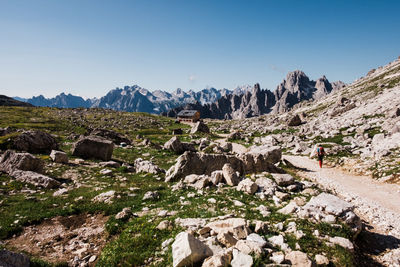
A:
(8, 101)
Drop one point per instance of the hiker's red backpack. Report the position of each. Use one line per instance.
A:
(320, 151)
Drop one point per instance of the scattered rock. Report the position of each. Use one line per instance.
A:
(147, 166)
(59, 156)
(230, 175)
(200, 127)
(117, 138)
(343, 242)
(247, 186)
(283, 179)
(241, 260)
(110, 164)
(187, 250)
(321, 260)
(299, 259)
(295, 121)
(35, 142)
(93, 147)
(226, 239)
(11, 161)
(221, 259)
(106, 197)
(178, 147)
(124, 214)
(151, 195)
(35, 179)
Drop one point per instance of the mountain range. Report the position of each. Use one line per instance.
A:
(241, 102)
(297, 87)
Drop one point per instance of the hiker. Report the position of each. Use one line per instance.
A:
(320, 154)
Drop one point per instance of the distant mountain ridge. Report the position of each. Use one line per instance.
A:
(135, 99)
(9, 101)
(297, 87)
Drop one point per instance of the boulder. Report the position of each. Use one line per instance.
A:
(187, 250)
(11, 161)
(111, 164)
(247, 186)
(35, 142)
(151, 195)
(229, 225)
(283, 179)
(226, 239)
(105, 197)
(299, 259)
(35, 179)
(217, 177)
(324, 206)
(177, 146)
(93, 147)
(59, 156)
(147, 166)
(117, 138)
(294, 121)
(249, 247)
(321, 260)
(201, 163)
(221, 259)
(200, 127)
(241, 260)
(343, 242)
(262, 158)
(124, 214)
(12, 259)
(266, 185)
(197, 181)
(230, 175)
(257, 238)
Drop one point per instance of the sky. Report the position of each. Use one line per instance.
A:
(89, 47)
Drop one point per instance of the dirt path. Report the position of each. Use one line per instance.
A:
(377, 203)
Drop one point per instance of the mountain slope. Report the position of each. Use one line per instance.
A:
(8, 101)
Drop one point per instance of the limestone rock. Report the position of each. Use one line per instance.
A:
(247, 186)
(200, 127)
(299, 259)
(221, 259)
(20, 161)
(147, 166)
(35, 179)
(217, 177)
(187, 250)
(93, 147)
(241, 260)
(343, 242)
(249, 247)
(106, 197)
(124, 214)
(226, 239)
(200, 163)
(111, 164)
(266, 185)
(321, 260)
(151, 195)
(261, 227)
(117, 138)
(35, 142)
(177, 146)
(59, 156)
(230, 175)
(257, 238)
(283, 179)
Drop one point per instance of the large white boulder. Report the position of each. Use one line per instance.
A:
(187, 250)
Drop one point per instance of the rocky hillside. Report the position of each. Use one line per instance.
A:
(135, 99)
(8, 101)
(296, 88)
(107, 188)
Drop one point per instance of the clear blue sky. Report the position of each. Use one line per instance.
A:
(89, 47)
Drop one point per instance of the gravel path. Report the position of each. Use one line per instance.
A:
(377, 203)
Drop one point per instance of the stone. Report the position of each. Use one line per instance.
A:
(12, 259)
(164, 225)
(262, 159)
(343, 242)
(60, 192)
(241, 260)
(257, 238)
(106, 197)
(249, 247)
(106, 172)
(191, 223)
(289, 208)
(295, 121)
(299, 259)
(200, 127)
(35, 142)
(59, 156)
(247, 186)
(283, 179)
(201, 163)
(241, 231)
(217, 177)
(221, 259)
(92, 259)
(261, 227)
(11, 161)
(321, 260)
(277, 257)
(93, 147)
(147, 166)
(187, 250)
(174, 144)
(124, 214)
(226, 239)
(35, 179)
(110, 164)
(117, 138)
(151, 195)
(266, 185)
(278, 241)
(227, 225)
(230, 175)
